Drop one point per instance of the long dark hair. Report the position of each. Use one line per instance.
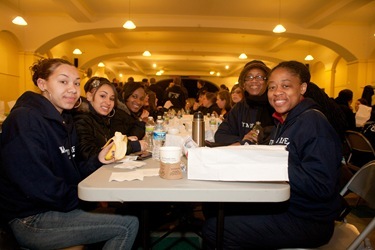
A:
(367, 94)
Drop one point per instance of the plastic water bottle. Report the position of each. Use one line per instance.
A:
(213, 123)
(150, 126)
(259, 130)
(159, 136)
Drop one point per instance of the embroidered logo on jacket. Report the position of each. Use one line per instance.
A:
(282, 141)
(69, 153)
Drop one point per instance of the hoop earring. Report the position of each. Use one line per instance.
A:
(111, 115)
(79, 104)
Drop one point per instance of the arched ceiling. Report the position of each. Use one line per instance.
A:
(194, 37)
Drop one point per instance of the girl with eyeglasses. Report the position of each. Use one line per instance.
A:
(236, 129)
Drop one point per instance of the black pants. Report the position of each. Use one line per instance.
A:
(264, 230)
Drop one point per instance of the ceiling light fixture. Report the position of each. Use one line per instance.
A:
(129, 23)
(146, 53)
(309, 58)
(279, 28)
(212, 72)
(77, 52)
(243, 56)
(101, 64)
(19, 21)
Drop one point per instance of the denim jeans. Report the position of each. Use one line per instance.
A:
(55, 230)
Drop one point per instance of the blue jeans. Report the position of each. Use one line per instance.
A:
(55, 230)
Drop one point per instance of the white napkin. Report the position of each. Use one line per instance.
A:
(130, 164)
(134, 175)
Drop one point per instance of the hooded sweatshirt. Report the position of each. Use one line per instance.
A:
(314, 162)
(39, 168)
(243, 116)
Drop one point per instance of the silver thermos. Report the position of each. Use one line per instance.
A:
(198, 128)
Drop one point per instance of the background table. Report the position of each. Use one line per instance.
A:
(97, 187)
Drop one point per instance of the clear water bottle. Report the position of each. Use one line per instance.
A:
(159, 136)
(259, 130)
(150, 126)
(213, 123)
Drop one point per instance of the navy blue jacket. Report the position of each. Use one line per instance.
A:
(314, 162)
(39, 168)
(242, 117)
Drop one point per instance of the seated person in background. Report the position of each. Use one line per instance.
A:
(329, 108)
(236, 94)
(307, 219)
(150, 105)
(223, 102)
(236, 129)
(40, 169)
(358, 102)
(361, 158)
(198, 105)
(367, 93)
(369, 129)
(209, 102)
(93, 119)
(130, 116)
(224, 87)
(344, 100)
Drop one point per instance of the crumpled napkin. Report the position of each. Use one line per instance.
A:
(130, 164)
(134, 175)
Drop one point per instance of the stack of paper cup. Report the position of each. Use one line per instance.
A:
(170, 163)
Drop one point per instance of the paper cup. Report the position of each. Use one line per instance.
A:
(170, 163)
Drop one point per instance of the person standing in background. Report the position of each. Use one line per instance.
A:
(157, 90)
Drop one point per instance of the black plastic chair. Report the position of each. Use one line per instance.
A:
(360, 150)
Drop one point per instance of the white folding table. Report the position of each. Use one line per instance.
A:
(97, 187)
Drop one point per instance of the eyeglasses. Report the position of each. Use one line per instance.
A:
(256, 78)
